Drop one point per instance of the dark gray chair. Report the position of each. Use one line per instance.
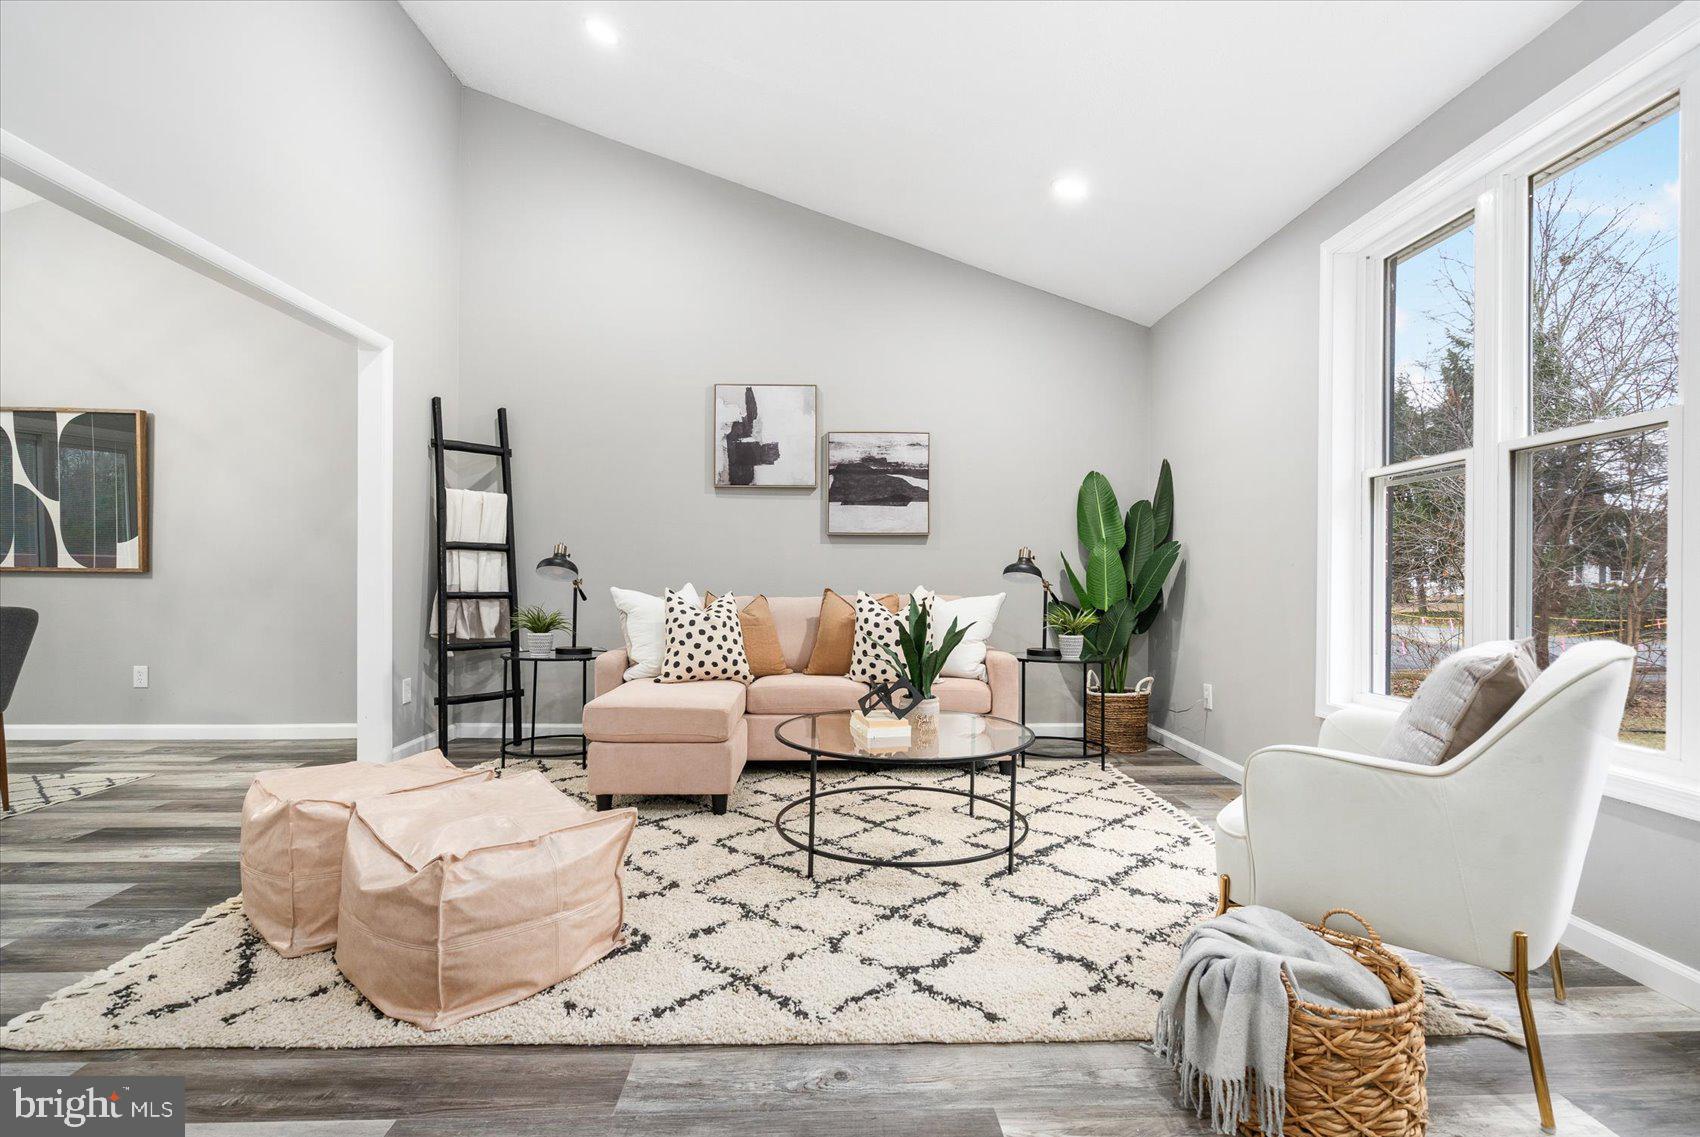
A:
(17, 629)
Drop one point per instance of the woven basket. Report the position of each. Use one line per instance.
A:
(1357, 1073)
(1125, 715)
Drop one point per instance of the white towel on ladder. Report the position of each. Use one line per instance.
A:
(475, 515)
(492, 567)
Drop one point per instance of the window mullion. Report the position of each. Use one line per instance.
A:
(1682, 707)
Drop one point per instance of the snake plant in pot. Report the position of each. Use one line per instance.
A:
(1129, 558)
(921, 662)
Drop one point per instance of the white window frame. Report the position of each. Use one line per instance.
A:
(1489, 180)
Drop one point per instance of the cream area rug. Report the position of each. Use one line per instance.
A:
(728, 941)
(38, 791)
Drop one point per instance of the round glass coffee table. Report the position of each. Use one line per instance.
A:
(965, 740)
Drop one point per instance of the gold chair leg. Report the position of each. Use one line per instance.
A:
(1557, 977)
(1519, 976)
(1222, 901)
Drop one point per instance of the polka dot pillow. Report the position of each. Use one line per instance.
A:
(703, 643)
(876, 629)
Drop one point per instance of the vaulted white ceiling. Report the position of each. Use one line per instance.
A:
(1201, 128)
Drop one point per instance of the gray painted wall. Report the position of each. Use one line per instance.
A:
(317, 141)
(253, 467)
(1235, 408)
(605, 290)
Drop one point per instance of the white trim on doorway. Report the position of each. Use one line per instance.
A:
(41, 173)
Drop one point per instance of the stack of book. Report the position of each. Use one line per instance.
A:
(879, 733)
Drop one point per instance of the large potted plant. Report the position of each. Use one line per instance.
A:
(1128, 560)
(921, 662)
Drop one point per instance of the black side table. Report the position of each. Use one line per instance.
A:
(525, 745)
(1088, 749)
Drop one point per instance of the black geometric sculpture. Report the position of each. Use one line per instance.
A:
(880, 694)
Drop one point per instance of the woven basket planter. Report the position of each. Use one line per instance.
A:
(1357, 1073)
(1125, 715)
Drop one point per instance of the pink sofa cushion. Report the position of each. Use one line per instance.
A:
(803, 694)
(971, 696)
(810, 694)
(646, 711)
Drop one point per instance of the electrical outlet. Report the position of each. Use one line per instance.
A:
(139, 675)
(1209, 697)
(406, 691)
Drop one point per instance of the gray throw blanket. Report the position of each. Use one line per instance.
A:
(1224, 1015)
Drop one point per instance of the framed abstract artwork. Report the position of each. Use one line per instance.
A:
(73, 490)
(878, 484)
(764, 436)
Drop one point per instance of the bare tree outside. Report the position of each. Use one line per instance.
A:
(1431, 410)
(1592, 535)
(1603, 343)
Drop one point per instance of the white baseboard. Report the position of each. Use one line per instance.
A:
(494, 729)
(1209, 759)
(414, 746)
(1056, 729)
(475, 730)
(177, 732)
(1667, 976)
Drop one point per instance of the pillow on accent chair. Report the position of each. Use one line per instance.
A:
(1460, 700)
(761, 637)
(643, 623)
(977, 614)
(836, 634)
(703, 643)
(876, 628)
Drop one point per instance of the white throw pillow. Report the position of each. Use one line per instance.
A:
(643, 623)
(978, 614)
(1460, 700)
(703, 643)
(876, 629)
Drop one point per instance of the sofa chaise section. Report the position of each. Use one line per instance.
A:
(647, 737)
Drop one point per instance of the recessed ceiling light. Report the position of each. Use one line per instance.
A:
(602, 32)
(1071, 189)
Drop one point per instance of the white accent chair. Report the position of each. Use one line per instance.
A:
(1476, 859)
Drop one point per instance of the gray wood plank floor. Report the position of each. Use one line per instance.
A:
(84, 883)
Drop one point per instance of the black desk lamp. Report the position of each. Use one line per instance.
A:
(1022, 567)
(559, 566)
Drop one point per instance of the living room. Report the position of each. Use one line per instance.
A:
(956, 527)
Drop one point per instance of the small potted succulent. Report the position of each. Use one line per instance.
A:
(537, 629)
(1071, 625)
(921, 663)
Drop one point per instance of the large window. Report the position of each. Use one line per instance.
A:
(1605, 330)
(1503, 446)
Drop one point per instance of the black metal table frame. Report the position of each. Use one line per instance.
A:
(1003, 759)
(1088, 749)
(512, 747)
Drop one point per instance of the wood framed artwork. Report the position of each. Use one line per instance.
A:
(73, 490)
(878, 483)
(764, 436)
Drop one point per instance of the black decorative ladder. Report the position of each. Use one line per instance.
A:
(446, 647)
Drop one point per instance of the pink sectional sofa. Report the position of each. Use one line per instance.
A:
(646, 737)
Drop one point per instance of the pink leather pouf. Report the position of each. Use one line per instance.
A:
(293, 825)
(460, 900)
